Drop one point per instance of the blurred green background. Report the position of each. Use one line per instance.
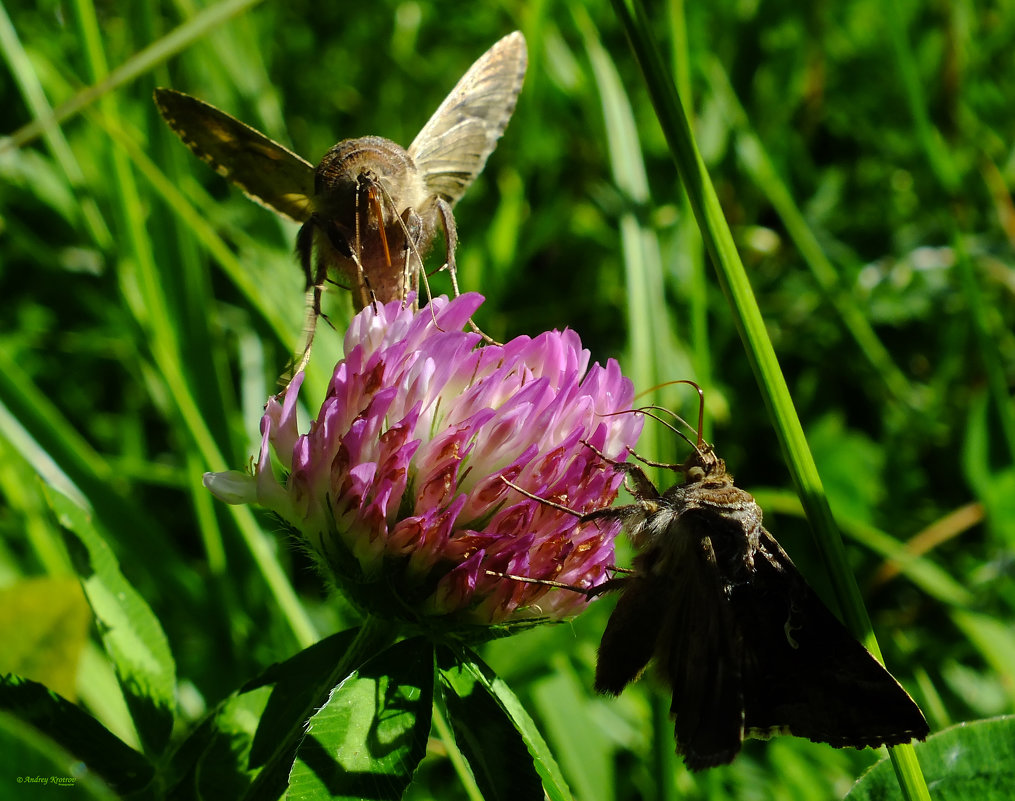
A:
(863, 155)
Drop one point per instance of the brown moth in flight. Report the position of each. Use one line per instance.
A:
(747, 647)
(370, 209)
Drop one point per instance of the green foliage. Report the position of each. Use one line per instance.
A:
(862, 156)
(51, 728)
(44, 625)
(130, 632)
(969, 761)
(367, 739)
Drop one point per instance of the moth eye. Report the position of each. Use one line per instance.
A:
(695, 474)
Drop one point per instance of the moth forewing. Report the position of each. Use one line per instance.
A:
(267, 172)
(629, 640)
(850, 699)
(453, 146)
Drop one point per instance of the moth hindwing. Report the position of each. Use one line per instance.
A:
(745, 644)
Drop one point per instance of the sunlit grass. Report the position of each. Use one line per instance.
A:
(148, 309)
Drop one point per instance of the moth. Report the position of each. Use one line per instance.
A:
(370, 209)
(747, 647)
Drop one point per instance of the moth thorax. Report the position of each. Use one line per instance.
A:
(355, 164)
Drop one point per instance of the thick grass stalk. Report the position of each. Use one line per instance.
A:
(760, 352)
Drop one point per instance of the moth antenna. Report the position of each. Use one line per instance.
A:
(364, 183)
(410, 243)
(701, 408)
(647, 411)
(701, 447)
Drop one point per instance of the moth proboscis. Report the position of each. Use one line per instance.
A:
(370, 209)
(745, 644)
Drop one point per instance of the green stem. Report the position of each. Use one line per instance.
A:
(760, 352)
(458, 762)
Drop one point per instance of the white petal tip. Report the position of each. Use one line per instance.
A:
(232, 486)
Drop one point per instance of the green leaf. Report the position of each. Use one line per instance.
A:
(35, 767)
(130, 631)
(56, 731)
(995, 641)
(546, 766)
(44, 625)
(582, 747)
(246, 746)
(837, 451)
(974, 761)
(371, 734)
(487, 738)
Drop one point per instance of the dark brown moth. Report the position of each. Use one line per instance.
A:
(370, 209)
(746, 645)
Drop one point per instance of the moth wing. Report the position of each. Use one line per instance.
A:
(699, 648)
(629, 639)
(805, 674)
(266, 172)
(454, 145)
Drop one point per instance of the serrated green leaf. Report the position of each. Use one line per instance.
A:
(246, 746)
(77, 737)
(225, 768)
(131, 633)
(546, 766)
(44, 627)
(969, 762)
(371, 734)
(487, 738)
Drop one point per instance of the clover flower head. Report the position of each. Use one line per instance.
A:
(397, 487)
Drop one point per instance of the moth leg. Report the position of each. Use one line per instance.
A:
(609, 513)
(643, 488)
(450, 229)
(304, 249)
(543, 582)
(610, 585)
(314, 290)
(412, 263)
(650, 463)
(451, 238)
(552, 504)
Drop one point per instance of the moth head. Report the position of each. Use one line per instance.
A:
(702, 465)
(355, 165)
